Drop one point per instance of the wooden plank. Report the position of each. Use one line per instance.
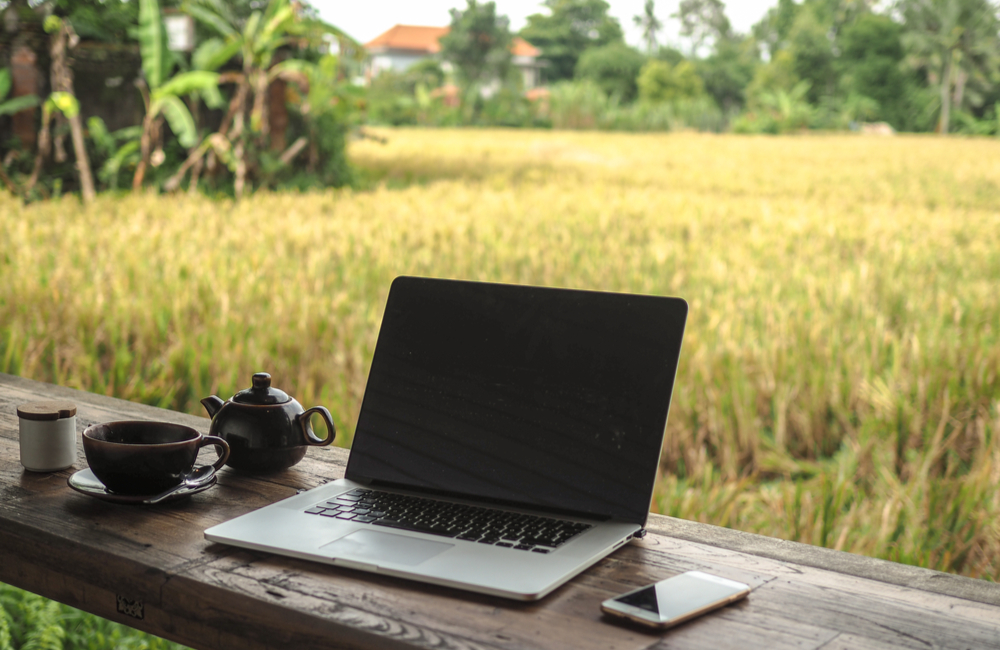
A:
(86, 553)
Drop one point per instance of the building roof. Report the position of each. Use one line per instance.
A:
(425, 39)
(409, 37)
(521, 47)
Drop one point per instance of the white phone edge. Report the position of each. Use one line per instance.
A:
(649, 619)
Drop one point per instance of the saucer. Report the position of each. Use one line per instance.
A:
(85, 482)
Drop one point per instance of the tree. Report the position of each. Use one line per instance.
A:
(614, 68)
(812, 50)
(478, 44)
(870, 65)
(661, 82)
(729, 70)
(162, 93)
(650, 25)
(955, 41)
(256, 40)
(571, 27)
(703, 20)
(772, 30)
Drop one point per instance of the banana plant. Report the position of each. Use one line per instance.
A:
(17, 104)
(163, 94)
(256, 41)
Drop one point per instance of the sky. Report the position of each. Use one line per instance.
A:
(366, 19)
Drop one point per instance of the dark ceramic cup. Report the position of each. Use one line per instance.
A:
(140, 458)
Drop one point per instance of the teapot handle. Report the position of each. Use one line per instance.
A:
(310, 437)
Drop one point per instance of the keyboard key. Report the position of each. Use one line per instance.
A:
(504, 544)
(364, 519)
(348, 497)
(391, 523)
(523, 547)
(539, 550)
(346, 515)
(315, 510)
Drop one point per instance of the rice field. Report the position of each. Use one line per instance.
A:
(839, 379)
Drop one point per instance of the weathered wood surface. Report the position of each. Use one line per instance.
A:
(109, 559)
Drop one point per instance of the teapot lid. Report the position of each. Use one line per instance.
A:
(261, 392)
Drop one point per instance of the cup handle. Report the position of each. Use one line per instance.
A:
(219, 444)
(310, 437)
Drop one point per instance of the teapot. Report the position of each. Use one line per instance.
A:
(266, 429)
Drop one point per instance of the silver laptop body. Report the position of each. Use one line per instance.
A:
(508, 439)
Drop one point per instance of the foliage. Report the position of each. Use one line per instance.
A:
(704, 20)
(109, 21)
(661, 82)
(614, 67)
(871, 50)
(778, 111)
(115, 153)
(578, 104)
(15, 104)
(30, 622)
(570, 28)
(838, 383)
(812, 53)
(728, 71)
(649, 24)
(956, 42)
(478, 44)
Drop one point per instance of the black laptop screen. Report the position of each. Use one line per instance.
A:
(547, 398)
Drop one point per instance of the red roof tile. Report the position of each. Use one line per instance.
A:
(425, 39)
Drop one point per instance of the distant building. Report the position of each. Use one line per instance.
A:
(403, 45)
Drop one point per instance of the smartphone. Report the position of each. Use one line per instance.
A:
(675, 600)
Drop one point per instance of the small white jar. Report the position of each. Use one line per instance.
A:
(47, 435)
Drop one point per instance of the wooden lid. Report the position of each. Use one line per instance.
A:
(46, 410)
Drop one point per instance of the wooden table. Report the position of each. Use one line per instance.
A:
(151, 568)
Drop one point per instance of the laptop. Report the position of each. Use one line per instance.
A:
(509, 438)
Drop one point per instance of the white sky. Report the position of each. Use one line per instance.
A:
(366, 19)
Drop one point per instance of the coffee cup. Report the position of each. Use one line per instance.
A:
(139, 458)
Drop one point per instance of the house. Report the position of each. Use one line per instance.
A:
(403, 45)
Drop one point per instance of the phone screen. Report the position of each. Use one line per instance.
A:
(682, 595)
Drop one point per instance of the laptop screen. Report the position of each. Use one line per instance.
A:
(550, 399)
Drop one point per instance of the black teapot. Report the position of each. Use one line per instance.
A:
(266, 429)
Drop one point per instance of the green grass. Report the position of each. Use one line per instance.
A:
(838, 383)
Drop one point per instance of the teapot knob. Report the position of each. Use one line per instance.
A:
(261, 380)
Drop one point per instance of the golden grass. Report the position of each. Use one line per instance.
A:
(838, 383)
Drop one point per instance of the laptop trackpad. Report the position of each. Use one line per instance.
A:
(374, 547)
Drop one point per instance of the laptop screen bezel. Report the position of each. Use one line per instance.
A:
(679, 310)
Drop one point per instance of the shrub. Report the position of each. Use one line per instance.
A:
(614, 68)
(660, 81)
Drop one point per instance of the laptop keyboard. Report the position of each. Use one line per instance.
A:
(471, 523)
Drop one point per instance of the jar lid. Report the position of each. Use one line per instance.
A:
(46, 410)
(261, 393)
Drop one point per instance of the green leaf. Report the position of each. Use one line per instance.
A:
(128, 133)
(213, 98)
(250, 30)
(153, 43)
(276, 23)
(99, 134)
(65, 102)
(52, 24)
(18, 104)
(109, 171)
(4, 82)
(178, 117)
(185, 83)
(211, 19)
(214, 53)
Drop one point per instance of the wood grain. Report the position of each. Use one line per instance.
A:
(89, 554)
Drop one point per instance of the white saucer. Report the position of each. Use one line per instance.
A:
(85, 482)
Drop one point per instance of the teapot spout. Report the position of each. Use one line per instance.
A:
(212, 405)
